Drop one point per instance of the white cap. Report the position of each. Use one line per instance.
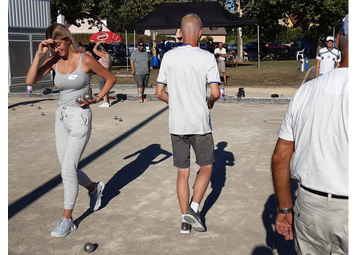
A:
(330, 38)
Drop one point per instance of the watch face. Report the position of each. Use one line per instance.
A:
(285, 210)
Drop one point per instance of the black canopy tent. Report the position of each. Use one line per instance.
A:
(212, 14)
(169, 15)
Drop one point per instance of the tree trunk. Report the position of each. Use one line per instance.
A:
(240, 53)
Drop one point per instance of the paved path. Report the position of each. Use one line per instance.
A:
(140, 213)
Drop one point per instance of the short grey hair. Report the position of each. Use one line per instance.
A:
(193, 15)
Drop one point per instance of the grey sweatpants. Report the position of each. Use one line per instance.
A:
(72, 131)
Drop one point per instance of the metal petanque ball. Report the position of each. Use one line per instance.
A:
(87, 96)
(122, 100)
(120, 119)
(89, 247)
(42, 114)
(32, 104)
(13, 108)
(79, 100)
(38, 107)
(115, 117)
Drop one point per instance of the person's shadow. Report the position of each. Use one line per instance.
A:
(128, 174)
(132, 171)
(273, 239)
(218, 177)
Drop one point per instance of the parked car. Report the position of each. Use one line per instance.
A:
(277, 45)
(279, 50)
(202, 46)
(252, 49)
(232, 46)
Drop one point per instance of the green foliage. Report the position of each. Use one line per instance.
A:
(319, 16)
(315, 17)
(207, 39)
(230, 39)
(294, 35)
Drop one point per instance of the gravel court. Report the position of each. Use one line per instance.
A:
(140, 213)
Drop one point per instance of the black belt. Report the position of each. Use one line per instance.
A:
(323, 194)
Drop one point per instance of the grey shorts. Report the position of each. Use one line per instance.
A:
(141, 80)
(221, 66)
(203, 146)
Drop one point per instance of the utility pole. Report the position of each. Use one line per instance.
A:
(240, 54)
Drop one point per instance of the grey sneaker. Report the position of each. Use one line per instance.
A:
(185, 228)
(194, 219)
(63, 228)
(95, 197)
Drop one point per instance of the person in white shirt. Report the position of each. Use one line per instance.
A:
(220, 54)
(327, 58)
(185, 72)
(315, 133)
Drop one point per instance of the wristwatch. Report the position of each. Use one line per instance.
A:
(285, 210)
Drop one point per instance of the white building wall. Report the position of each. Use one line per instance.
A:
(27, 24)
(29, 13)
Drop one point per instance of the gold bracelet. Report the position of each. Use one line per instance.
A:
(39, 54)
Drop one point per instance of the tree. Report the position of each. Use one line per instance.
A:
(74, 10)
(317, 15)
(268, 12)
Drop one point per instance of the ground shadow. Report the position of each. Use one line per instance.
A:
(218, 177)
(82, 217)
(133, 170)
(263, 250)
(31, 197)
(273, 239)
(30, 102)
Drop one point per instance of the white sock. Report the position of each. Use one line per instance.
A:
(194, 206)
(140, 95)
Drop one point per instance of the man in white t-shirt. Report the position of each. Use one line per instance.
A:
(185, 72)
(327, 58)
(315, 133)
(220, 54)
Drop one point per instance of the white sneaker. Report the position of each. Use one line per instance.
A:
(106, 104)
(63, 228)
(95, 196)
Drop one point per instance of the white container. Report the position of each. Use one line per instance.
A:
(222, 92)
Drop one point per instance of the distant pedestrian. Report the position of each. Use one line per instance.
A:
(315, 133)
(185, 72)
(84, 49)
(73, 120)
(140, 64)
(106, 61)
(220, 54)
(327, 58)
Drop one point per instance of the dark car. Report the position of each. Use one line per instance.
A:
(252, 49)
(279, 50)
(277, 45)
(202, 46)
(232, 46)
(177, 44)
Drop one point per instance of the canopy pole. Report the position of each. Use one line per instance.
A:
(126, 50)
(258, 47)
